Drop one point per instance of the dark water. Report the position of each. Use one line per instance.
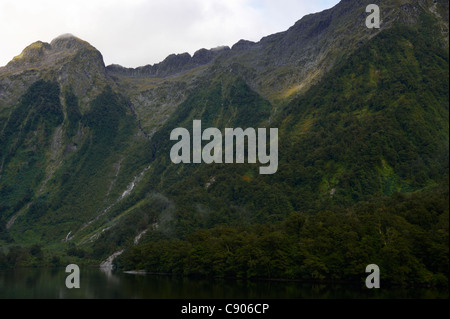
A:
(95, 283)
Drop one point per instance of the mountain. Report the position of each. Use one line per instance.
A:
(362, 117)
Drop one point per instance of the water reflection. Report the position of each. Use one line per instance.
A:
(95, 283)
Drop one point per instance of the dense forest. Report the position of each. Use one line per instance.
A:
(362, 179)
(406, 235)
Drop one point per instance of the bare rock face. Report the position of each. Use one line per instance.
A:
(31, 54)
(172, 65)
(67, 59)
(59, 50)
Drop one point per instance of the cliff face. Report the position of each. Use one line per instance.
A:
(67, 59)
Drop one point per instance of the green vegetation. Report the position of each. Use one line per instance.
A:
(39, 256)
(378, 124)
(73, 112)
(375, 129)
(406, 235)
(70, 193)
(362, 175)
(23, 142)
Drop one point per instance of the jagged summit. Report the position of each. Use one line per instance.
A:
(67, 59)
(33, 51)
(46, 55)
(172, 64)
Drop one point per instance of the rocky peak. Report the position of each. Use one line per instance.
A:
(34, 51)
(243, 45)
(44, 55)
(66, 59)
(68, 42)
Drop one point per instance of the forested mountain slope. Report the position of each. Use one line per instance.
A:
(362, 118)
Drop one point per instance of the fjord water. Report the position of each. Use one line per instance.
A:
(46, 283)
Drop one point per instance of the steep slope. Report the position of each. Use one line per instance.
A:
(374, 129)
(64, 138)
(278, 67)
(362, 117)
(376, 126)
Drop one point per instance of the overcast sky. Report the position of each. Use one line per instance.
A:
(138, 32)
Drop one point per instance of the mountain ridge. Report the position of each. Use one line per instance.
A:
(362, 113)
